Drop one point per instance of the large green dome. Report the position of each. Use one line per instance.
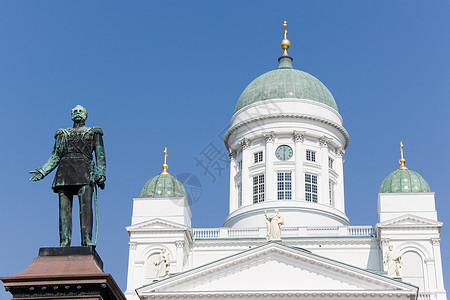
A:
(404, 181)
(285, 82)
(163, 186)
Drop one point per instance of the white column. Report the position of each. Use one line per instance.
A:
(299, 184)
(269, 184)
(339, 164)
(233, 171)
(440, 293)
(131, 268)
(180, 255)
(324, 197)
(247, 187)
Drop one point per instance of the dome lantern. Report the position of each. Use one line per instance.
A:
(163, 185)
(404, 180)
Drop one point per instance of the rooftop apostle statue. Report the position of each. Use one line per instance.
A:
(77, 173)
(274, 222)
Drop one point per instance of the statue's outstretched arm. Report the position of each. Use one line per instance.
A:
(53, 161)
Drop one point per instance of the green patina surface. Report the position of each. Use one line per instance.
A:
(163, 186)
(285, 82)
(404, 181)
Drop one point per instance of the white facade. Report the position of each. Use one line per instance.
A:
(287, 154)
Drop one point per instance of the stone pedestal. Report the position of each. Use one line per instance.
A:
(64, 273)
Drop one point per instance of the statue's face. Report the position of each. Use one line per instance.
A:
(79, 114)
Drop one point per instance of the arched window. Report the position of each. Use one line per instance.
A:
(412, 269)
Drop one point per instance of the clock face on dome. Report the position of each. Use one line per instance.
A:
(284, 152)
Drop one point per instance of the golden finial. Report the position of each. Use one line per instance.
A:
(165, 165)
(402, 159)
(285, 43)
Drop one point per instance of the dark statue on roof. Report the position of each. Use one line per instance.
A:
(77, 173)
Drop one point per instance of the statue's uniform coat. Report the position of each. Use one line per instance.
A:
(73, 152)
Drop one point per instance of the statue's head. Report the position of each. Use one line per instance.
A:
(79, 114)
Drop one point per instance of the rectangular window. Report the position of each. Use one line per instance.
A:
(258, 188)
(240, 195)
(330, 162)
(284, 185)
(310, 155)
(311, 187)
(240, 165)
(331, 192)
(258, 157)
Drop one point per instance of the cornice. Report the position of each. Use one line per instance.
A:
(284, 294)
(340, 128)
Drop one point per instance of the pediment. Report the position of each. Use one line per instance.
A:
(156, 224)
(409, 221)
(275, 267)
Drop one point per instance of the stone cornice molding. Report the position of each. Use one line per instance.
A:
(245, 143)
(306, 242)
(409, 222)
(299, 136)
(269, 137)
(283, 294)
(285, 116)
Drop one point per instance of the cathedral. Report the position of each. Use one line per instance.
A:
(287, 235)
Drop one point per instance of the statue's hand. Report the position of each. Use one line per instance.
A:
(36, 175)
(100, 181)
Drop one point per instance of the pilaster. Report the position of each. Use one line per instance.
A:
(324, 187)
(246, 180)
(233, 187)
(180, 255)
(299, 137)
(339, 165)
(269, 160)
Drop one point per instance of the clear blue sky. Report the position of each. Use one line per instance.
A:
(167, 73)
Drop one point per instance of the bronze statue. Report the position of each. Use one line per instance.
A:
(77, 173)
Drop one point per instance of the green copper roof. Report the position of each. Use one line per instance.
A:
(285, 82)
(163, 186)
(404, 181)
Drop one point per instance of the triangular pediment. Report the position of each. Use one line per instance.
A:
(276, 268)
(156, 224)
(409, 221)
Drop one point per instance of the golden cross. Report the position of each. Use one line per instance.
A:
(165, 155)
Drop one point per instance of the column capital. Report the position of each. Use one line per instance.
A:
(179, 244)
(436, 241)
(324, 141)
(299, 136)
(269, 137)
(232, 154)
(385, 241)
(133, 245)
(340, 152)
(245, 143)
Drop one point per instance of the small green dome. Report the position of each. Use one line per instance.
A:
(163, 186)
(285, 82)
(404, 181)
